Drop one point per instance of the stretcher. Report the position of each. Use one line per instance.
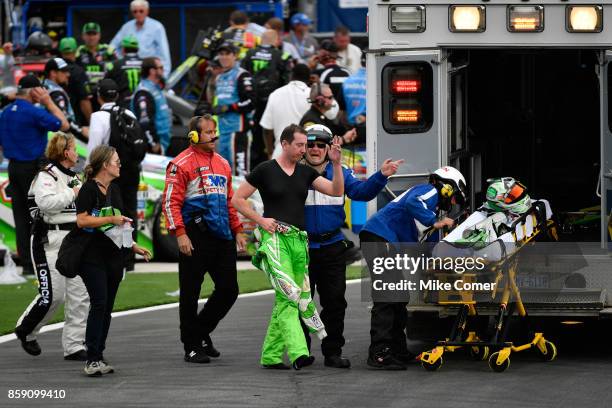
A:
(497, 237)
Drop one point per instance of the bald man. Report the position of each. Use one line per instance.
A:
(270, 68)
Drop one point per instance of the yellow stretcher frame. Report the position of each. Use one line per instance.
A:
(499, 360)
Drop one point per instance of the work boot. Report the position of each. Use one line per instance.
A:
(302, 361)
(277, 366)
(80, 355)
(209, 349)
(31, 347)
(384, 360)
(197, 356)
(405, 358)
(337, 361)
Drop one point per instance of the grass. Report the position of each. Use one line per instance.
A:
(136, 291)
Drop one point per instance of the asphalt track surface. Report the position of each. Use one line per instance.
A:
(150, 371)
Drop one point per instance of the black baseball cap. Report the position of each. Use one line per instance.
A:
(227, 45)
(108, 89)
(56, 64)
(29, 81)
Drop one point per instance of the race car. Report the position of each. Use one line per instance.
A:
(152, 231)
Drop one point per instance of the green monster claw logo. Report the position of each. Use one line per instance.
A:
(133, 76)
(259, 65)
(93, 68)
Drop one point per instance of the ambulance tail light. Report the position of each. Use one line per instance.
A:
(584, 19)
(407, 97)
(467, 19)
(525, 18)
(407, 19)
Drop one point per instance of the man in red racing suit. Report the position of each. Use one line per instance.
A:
(198, 210)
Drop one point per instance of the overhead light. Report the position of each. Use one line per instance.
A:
(584, 19)
(467, 19)
(407, 19)
(525, 18)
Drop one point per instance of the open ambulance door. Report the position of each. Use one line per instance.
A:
(605, 182)
(406, 116)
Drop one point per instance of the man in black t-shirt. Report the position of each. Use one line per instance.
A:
(283, 252)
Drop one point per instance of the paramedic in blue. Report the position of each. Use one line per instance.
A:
(324, 217)
(404, 220)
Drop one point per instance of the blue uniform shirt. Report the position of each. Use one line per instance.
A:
(23, 130)
(405, 218)
(325, 213)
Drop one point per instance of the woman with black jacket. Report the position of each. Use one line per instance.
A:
(103, 260)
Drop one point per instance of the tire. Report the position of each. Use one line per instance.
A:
(165, 245)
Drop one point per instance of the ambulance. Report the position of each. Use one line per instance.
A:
(497, 89)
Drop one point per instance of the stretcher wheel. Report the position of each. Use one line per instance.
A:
(432, 366)
(479, 353)
(551, 352)
(498, 368)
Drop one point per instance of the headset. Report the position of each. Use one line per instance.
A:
(315, 91)
(194, 135)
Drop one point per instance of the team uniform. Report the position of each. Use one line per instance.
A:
(126, 73)
(62, 100)
(152, 111)
(283, 256)
(197, 202)
(52, 195)
(233, 104)
(95, 63)
(270, 68)
(327, 270)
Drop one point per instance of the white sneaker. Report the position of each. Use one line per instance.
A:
(93, 369)
(105, 367)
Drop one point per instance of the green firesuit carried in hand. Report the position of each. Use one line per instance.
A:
(284, 259)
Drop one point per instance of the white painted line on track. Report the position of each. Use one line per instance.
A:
(56, 326)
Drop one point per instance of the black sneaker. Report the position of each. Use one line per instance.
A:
(302, 361)
(31, 347)
(80, 355)
(384, 360)
(208, 347)
(405, 358)
(197, 356)
(337, 361)
(277, 366)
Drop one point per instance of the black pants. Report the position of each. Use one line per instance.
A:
(102, 281)
(388, 319)
(21, 175)
(327, 274)
(218, 258)
(128, 186)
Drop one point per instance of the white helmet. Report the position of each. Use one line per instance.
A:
(449, 182)
(320, 133)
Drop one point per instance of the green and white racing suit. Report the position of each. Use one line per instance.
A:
(283, 256)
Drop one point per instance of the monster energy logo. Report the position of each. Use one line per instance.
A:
(93, 68)
(259, 65)
(133, 76)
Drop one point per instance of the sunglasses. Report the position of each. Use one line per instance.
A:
(320, 145)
